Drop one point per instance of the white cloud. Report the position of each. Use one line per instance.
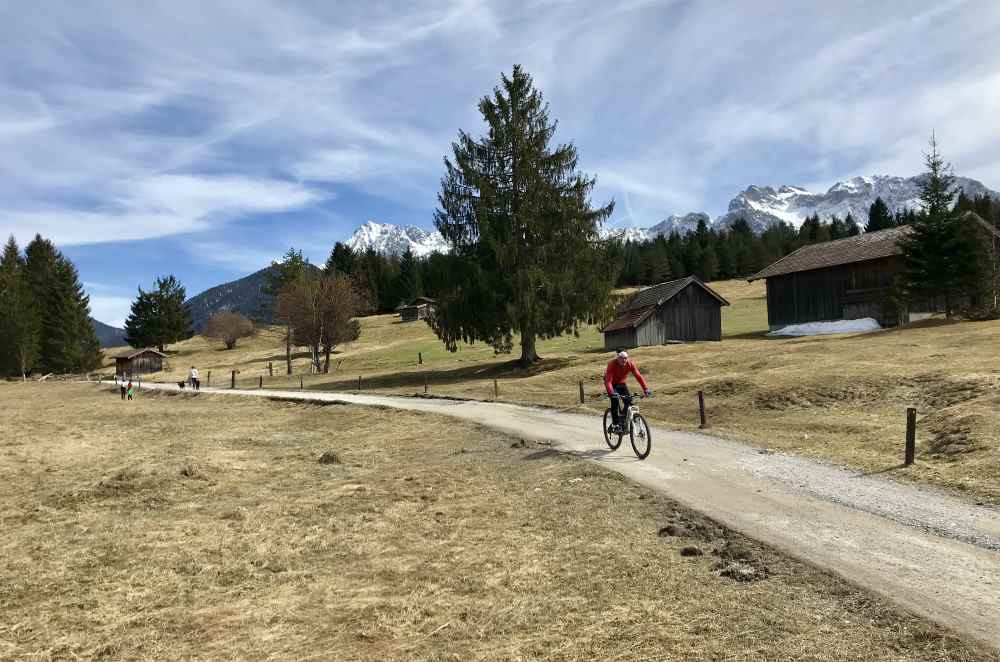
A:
(130, 122)
(161, 206)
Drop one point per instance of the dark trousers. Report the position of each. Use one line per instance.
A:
(625, 401)
(196, 383)
(122, 389)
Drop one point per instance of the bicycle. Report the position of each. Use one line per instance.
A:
(636, 428)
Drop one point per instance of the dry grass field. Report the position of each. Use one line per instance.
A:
(204, 527)
(838, 398)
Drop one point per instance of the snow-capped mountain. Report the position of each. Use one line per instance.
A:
(763, 206)
(390, 239)
(673, 223)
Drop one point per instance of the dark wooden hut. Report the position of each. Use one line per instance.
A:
(139, 362)
(678, 310)
(847, 279)
(418, 309)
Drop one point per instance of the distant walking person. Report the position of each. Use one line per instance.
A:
(131, 390)
(122, 387)
(195, 382)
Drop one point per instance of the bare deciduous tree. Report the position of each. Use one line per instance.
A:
(228, 327)
(321, 311)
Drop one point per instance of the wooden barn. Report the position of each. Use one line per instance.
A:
(678, 310)
(418, 309)
(846, 279)
(139, 362)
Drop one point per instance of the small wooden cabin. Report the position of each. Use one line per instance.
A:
(678, 310)
(139, 362)
(418, 309)
(847, 279)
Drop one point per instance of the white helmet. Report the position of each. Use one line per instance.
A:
(623, 355)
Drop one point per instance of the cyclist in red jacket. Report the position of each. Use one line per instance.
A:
(614, 382)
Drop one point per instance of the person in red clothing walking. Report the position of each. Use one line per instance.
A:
(614, 381)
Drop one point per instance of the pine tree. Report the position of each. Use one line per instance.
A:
(851, 228)
(879, 217)
(67, 341)
(341, 260)
(292, 267)
(19, 321)
(140, 325)
(525, 246)
(838, 228)
(930, 249)
(409, 285)
(159, 317)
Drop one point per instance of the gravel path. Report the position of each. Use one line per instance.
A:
(931, 553)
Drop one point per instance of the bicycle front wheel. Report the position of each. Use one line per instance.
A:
(613, 440)
(641, 437)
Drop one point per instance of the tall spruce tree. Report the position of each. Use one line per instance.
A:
(341, 260)
(409, 284)
(879, 217)
(159, 317)
(19, 322)
(929, 250)
(292, 268)
(525, 246)
(67, 340)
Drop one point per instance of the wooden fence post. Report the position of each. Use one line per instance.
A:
(581, 393)
(260, 384)
(911, 435)
(232, 379)
(425, 383)
(300, 382)
(496, 389)
(701, 410)
(420, 358)
(209, 378)
(359, 382)
(270, 369)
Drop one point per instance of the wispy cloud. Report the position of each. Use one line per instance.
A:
(132, 122)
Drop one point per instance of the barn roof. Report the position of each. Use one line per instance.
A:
(136, 352)
(863, 247)
(646, 301)
(629, 319)
(657, 294)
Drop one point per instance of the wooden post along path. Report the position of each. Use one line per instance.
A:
(701, 410)
(232, 379)
(911, 435)
(581, 393)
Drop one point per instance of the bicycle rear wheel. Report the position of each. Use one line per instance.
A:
(641, 437)
(613, 441)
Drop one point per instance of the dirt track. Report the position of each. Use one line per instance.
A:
(933, 554)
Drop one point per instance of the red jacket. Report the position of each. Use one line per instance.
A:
(617, 374)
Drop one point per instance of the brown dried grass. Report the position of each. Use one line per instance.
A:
(205, 528)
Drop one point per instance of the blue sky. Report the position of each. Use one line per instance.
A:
(204, 139)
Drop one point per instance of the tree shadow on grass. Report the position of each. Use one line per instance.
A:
(876, 472)
(591, 454)
(305, 354)
(415, 378)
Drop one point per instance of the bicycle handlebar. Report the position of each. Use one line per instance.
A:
(632, 395)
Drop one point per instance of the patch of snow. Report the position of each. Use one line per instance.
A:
(863, 325)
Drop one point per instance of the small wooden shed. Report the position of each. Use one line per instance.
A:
(139, 362)
(679, 310)
(418, 309)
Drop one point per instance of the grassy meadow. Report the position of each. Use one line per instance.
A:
(203, 527)
(838, 398)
